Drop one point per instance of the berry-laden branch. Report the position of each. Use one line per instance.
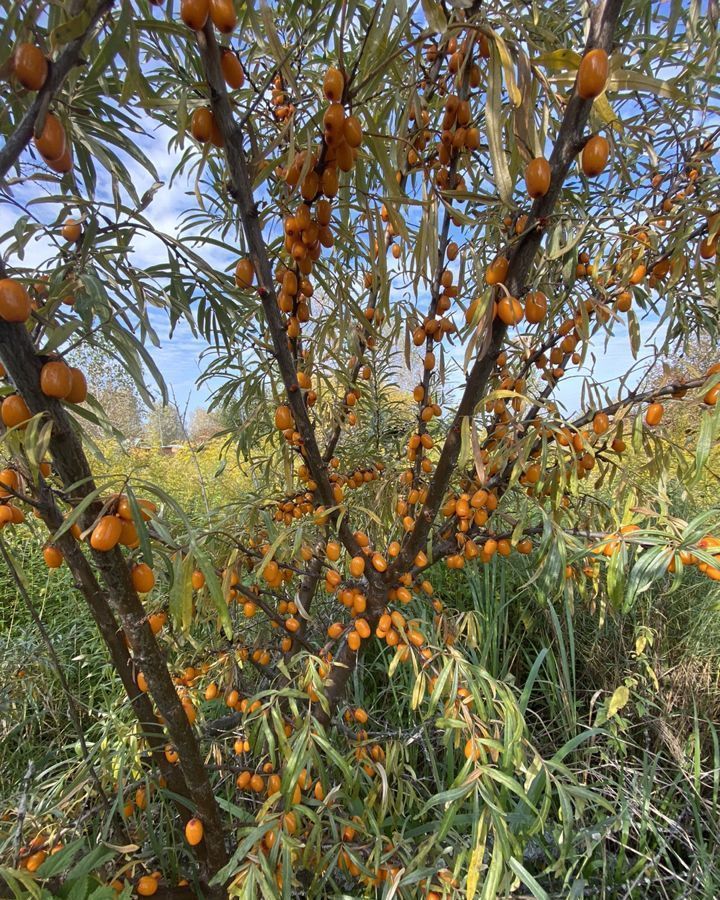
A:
(59, 69)
(432, 331)
(633, 398)
(87, 584)
(24, 367)
(602, 27)
(444, 544)
(242, 192)
(272, 616)
(334, 436)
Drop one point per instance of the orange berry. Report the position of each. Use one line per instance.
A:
(71, 231)
(333, 85)
(14, 411)
(497, 271)
(156, 622)
(223, 15)
(143, 578)
(244, 273)
(510, 310)
(232, 69)
(56, 379)
(535, 307)
(257, 784)
(52, 142)
(194, 831)
(595, 155)
(352, 131)
(147, 886)
(197, 580)
(283, 418)
(201, 125)
(78, 391)
(9, 482)
(15, 305)
(592, 74)
(537, 177)
(35, 860)
(194, 13)
(30, 66)
(654, 414)
(106, 533)
(363, 628)
(53, 557)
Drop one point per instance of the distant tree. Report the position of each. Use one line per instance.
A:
(691, 361)
(164, 426)
(114, 389)
(204, 425)
(677, 367)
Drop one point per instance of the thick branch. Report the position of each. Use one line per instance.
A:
(23, 366)
(602, 27)
(241, 189)
(87, 585)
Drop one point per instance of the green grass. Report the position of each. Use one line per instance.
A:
(632, 807)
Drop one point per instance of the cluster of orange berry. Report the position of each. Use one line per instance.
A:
(57, 380)
(30, 68)
(457, 133)
(302, 503)
(282, 108)
(195, 14)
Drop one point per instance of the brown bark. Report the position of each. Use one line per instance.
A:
(86, 583)
(564, 151)
(69, 460)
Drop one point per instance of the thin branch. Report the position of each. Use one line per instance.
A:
(241, 189)
(59, 69)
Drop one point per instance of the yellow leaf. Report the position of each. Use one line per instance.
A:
(418, 691)
(603, 109)
(619, 698)
(71, 29)
(280, 54)
(629, 80)
(476, 860)
(557, 60)
(435, 15)
(494, 126)
(508, 69)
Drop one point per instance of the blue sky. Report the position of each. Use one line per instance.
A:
(179, 356)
